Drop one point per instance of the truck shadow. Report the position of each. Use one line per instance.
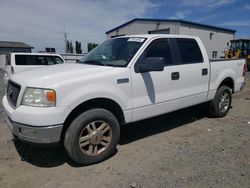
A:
(56, 156)
(41, 156)
(136, 131)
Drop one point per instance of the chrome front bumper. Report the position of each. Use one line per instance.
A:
(35, 134)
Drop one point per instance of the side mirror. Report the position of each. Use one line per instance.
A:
(151, 64)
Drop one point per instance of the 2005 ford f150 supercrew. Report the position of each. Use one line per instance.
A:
(123, 80)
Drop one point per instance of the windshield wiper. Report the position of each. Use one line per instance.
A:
(114, 65)
(93, 62)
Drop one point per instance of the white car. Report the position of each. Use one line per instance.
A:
(123, 80)
(19, 62)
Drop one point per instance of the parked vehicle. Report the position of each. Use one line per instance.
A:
(19, 62)
(239, 48)
(123, 80)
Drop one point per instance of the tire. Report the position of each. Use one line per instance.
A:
(248, 66)
(92, 137)
(221, 103)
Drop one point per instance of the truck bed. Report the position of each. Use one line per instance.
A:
(224, 59)
(219, 68)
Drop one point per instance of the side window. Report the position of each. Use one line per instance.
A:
(41, 60)
(50, 61)
(189, 51)
(160, 48)
(30, 60)
(57, 60)
(20, 60)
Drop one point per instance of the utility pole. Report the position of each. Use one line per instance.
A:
(65, 38)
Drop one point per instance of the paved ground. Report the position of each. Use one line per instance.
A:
(181, 149)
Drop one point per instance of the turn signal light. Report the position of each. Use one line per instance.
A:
(51, 96)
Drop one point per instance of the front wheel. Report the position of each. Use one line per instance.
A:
(92, 137)
(221, 103)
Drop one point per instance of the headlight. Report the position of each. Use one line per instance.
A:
(39, 97)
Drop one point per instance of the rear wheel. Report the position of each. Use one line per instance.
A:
(221, 103)
(92, 137)
(248, 66)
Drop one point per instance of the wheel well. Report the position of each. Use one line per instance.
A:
(228, 82)
(105, 103)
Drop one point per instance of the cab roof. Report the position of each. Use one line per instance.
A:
(150, 36)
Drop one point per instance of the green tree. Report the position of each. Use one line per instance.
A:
(69, 47)
(91, 46)
(78, 47)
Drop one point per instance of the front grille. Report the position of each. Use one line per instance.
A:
(12, 93)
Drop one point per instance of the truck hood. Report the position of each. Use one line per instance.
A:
(56, 73)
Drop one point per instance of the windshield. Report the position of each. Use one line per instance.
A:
(233, 44)
(115, 52)
(246, 45)
(240, 44)
(236, 45)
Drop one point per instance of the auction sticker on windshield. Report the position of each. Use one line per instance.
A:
(136, 39)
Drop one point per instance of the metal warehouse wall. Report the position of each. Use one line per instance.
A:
(139, 27)
(10, 50)
(218, 42)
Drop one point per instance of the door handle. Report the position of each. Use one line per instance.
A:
(204, 72)
(175, 75)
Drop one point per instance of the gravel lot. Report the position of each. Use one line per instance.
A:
(181, 149)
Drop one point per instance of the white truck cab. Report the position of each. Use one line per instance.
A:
(123, 80)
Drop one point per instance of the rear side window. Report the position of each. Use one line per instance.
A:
(30, 60)
(20, 60)
(189, 51)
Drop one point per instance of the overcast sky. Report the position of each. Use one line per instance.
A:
(41, 23)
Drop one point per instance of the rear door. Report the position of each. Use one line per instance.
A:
(182, 83)
(191, 84)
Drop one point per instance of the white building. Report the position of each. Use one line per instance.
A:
(9, 47)
(215, 39)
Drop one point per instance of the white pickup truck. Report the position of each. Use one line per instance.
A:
(19, 62)
(123, 80)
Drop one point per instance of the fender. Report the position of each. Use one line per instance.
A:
(217, 78)
(227, 73)
(94, 91)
